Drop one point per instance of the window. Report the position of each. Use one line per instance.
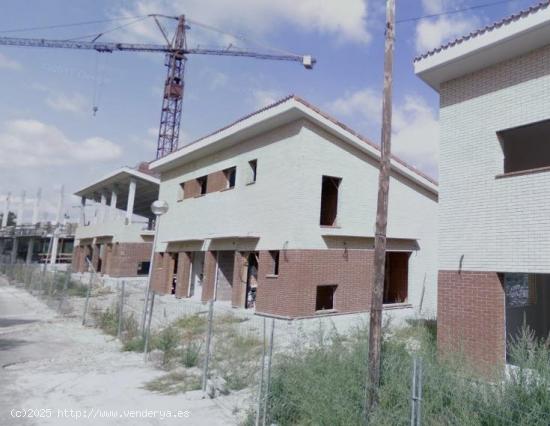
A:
(396, 279)
(274, 262)
(230, 175)
(253, 166)
(143, 268)
(329, 200)
(526, 147)
(325, 297)
(181, 191)
(203, 183)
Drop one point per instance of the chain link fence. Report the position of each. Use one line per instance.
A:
(270, 371)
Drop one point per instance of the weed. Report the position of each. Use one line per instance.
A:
(173, 383)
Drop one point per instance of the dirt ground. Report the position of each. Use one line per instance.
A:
(56, 372)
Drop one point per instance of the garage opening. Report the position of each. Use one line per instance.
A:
(527, 305)
(396, 280)
(526, 147)
(324, 300)
(329, 200)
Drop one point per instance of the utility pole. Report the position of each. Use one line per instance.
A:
(375, 329)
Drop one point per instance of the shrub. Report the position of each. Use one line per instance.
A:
(190, 355)
(167, 341)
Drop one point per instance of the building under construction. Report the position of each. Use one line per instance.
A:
(35, 241)
(116, 241)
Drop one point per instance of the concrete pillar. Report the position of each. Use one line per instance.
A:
(82, 220)
(21, 210)
(59, 205)
(131, 199)
(6, 210)
(14, 250)
(184, 274)
(112, 209)
(102, 207)
(30, 248)
(36, 207)
(240, 269)
(53, 253)
(209, 276)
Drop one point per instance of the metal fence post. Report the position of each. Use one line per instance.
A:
(208, 341)
(65, 288)
(120, 311)
(416, 392)
(268, 381)
(148, 330)
(86, 303)
(261, 386)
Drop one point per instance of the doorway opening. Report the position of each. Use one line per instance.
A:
(197, 275)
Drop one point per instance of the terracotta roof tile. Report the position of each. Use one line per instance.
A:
(326, 116)
(505, 21)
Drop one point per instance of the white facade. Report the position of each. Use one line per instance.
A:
(281, 210)
(489, 223)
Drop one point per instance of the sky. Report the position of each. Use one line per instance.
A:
(49, 136)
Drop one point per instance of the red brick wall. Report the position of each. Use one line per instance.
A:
(191, 189)
(293, 292)
(184, 270)
(160, 278)
(209, 276)
(124, 258)
(238, 294)
(216, 182)
(471, 316)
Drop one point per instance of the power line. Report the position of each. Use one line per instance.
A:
(74, 24)
(451, 12)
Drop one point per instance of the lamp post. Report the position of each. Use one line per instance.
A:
(158, 208)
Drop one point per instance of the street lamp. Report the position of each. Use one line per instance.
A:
(158, 207)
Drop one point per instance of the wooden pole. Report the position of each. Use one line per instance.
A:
(375, 330)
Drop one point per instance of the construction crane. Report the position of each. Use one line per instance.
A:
(176, 55)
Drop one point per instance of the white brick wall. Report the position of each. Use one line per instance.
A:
(283, 206)
(490, 224)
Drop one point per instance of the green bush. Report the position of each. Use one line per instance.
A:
(167, 341)
(323, 384)
(190, 354)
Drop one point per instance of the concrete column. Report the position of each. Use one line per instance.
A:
(60, 205)
(82, 220)
(30, 248)
(102, 207)
(112, 209)
(131, 198)
(36, 207)
(183, 275)
(14, 250)
(21, 209)
(6, 210)
(209, 276)
(53, 254)
(240, 269)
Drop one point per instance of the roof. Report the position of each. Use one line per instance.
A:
(147, 187)
(519, 33)
(283, 111)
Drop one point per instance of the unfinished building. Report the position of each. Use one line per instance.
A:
(35, 240)
(494, 222)
(276, 212)
(117, 239)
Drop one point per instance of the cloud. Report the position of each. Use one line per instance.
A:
(217, 80)
(31, 143)
(365, 102)
(415, 126)
(416, 134)
(263, 98)
(73, 102)
(344, 20)
(8, 63)
(432, 33)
